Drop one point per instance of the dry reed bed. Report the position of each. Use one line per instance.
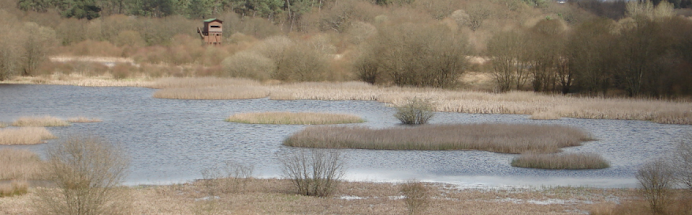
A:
(76, 79)
(82, 119)
(211, 93)
(20, 164)
(25, 135)
(540, 105)
(561, 161)
(13, 188)
(45, 121)
(503, 138)
(304, 118)
(273, 196)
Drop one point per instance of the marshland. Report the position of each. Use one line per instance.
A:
(531, 107)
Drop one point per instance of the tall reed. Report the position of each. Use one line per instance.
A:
(20, 164)
(304, 118)
(561, 161)
(45, 121)
(26, 135)
(503, 138)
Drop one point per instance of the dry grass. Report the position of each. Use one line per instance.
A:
(75, 79)
(660, 111)
(26, 135)
(682, 204)
(272, 196)
(233, 92)
(82, 119)
(13, 188)
(561, 161)
(503, 138)
(529, 103)
(20, 164)
(294, 118)
(3, 125)
(45, 121)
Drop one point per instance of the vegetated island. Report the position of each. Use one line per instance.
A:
(289, 118)
(501, 138)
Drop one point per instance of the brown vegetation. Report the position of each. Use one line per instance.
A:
(416, 196)
(26, 135)
(82, 119)
(13, 188)
(212, 93)
(45, 121)
(560, 161)
(273, 196)
(20, 165)
(293, 118)
(503, 138)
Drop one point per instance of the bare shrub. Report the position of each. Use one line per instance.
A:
(87, 172)
(656, 179)
(503, 138)
(416, 196)
(683, 161)
(313, 172)
(249, 65)
(415, 112)
(561, 161)
(301, 63)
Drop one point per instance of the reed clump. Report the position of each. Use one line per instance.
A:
(3, 125)
(502, 138)
(25, 135)
(20, 164)
(45, 121)
(288, 118)
(561, 161)
(14, 188)
(212, 93)
(82, 119)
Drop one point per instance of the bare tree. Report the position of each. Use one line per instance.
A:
(508, 50)
(314, 172)
(656, 179)
(87, 172)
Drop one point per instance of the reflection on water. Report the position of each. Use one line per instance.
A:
(172, 140)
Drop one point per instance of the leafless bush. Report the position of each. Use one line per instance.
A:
(301, 62)
(656, 180)
(684, 161)
(415, 112)
(226, 178)
(87, 172)
(314, 172)
(249, 65)
(416, 196)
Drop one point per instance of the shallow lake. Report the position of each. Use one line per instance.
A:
(171, 141)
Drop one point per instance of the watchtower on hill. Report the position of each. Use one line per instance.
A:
(212, 32)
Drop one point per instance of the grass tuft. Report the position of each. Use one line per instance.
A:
(45, 121)
(83, 120)
(27, 135)
(561, 161)
(503, 138)
(288, 118)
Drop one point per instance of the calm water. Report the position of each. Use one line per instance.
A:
(172, 140)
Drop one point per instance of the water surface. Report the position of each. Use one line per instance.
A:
(171, 141)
